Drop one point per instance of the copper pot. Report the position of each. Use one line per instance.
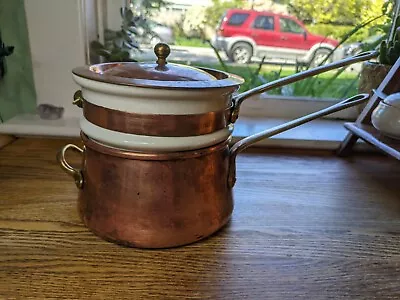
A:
(158, 199)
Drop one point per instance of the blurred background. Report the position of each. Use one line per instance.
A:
(41, 41)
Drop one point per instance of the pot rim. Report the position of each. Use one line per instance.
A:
(388, 106)
(224, 79)
(177, 155)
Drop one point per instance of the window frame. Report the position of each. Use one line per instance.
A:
(262, 105)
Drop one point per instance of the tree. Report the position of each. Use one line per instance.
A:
(147, 6)
(215, 11)
(343, 12)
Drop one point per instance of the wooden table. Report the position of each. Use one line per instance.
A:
(305, 226)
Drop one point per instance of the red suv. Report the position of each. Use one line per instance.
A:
(243, 34)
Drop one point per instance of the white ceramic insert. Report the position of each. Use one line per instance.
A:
(386, 118)
(393, 100)
(154, 100)
(134, 142)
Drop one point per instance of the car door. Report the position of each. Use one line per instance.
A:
(265, 34)
(263, 31)
(292, 37)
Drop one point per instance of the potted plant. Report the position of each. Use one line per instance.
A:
(123, 45)
(4, 51)
(374, 72)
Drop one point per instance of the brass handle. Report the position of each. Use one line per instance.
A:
(75, 173)
(162, 51)
(238, 100)
(78, 99)
(250, 140)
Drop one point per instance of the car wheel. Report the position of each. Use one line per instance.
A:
(241, 53)
(320, 58)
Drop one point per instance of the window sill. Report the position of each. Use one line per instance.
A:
(318, 134)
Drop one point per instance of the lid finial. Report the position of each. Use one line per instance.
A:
(162, 51)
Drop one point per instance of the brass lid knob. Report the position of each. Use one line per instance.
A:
(162, 51)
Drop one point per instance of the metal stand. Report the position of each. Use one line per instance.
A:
(362, 127)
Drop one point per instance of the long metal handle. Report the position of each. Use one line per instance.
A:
(296, 77)
(246, 142)
(75, 173)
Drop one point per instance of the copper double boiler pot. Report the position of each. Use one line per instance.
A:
(157, 164)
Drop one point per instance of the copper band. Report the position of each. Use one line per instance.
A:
(156, 125)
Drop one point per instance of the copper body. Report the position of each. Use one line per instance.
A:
(159, 200)
(154, 200)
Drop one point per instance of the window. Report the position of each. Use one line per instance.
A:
(96, 16)
(237, 19)
(264, 22)
(288, 25)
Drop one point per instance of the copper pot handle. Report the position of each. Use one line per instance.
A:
(75, 173)
(238, 99)
(246, 142)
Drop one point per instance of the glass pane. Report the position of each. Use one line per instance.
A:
(288, 25)
(237, 19)
(264, 22)
(17, 91)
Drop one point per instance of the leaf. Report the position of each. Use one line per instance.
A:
(133, 30)
(118, 43)
(115, 51)
(103, 52)
(134, 44)
(96, 45)
(109, 34)
(128, 15)
(222, 63)
(124, 55)
(383, 57)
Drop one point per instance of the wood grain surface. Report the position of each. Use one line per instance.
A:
(5, 140)
(305, 226)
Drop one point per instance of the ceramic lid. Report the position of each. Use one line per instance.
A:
(393, 100)
(159, 75)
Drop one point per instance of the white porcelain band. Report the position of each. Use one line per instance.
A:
(154, 100)
(152, 143)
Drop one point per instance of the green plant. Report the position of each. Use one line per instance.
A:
(4, 51)
(339, 31)
(253, 78)
(215, 11)
(389, 50)
(123, 44)
(189, 42)
(313, 86)
(119, 45)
